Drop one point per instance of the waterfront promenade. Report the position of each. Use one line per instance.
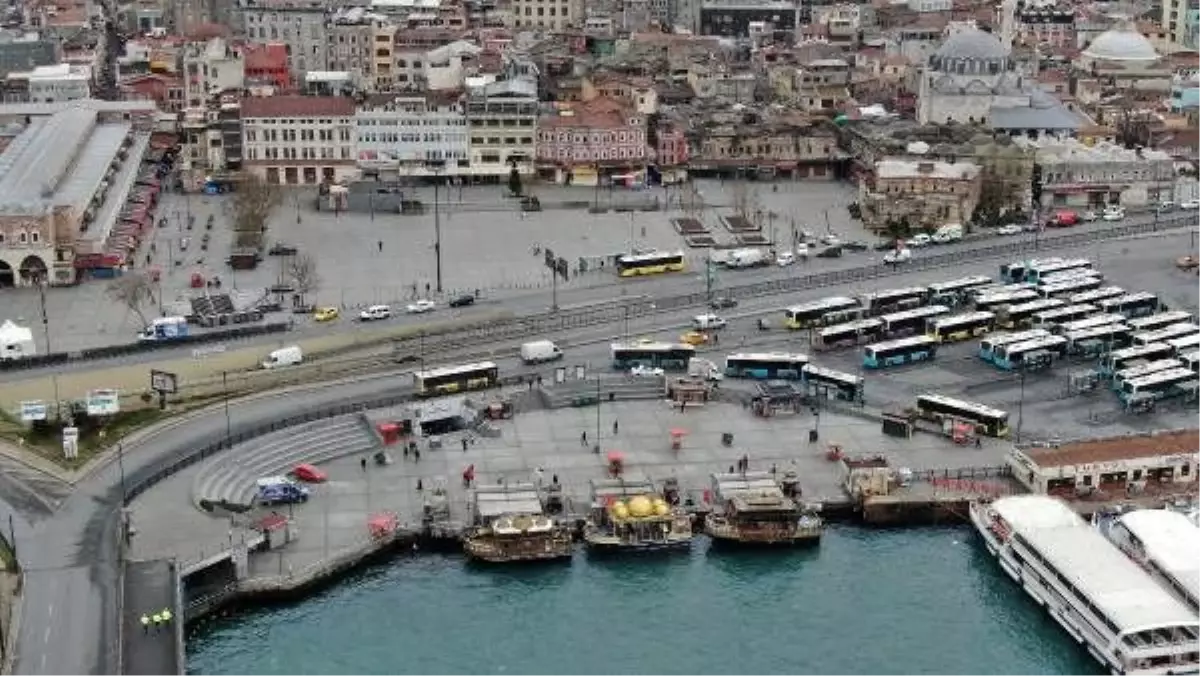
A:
(334, 521)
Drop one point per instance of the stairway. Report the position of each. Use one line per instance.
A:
(615, 388)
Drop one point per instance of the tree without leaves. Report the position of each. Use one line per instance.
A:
(253, 202)
(133, 290)
(741, 199)
(303, 271)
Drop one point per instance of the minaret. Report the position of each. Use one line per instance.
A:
(1008, 22)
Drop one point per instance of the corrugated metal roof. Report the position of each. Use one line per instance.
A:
(493, 501)
(1171, 541)
(1113, 583)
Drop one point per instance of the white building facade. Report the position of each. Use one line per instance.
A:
(1075, 174)
(412, 135)
(61, 82)
(299, 140)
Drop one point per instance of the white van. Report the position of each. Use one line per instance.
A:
(708, 322)
(284, 356)
(537, 351)
(948, 233)
(705, 369)
(375, 312)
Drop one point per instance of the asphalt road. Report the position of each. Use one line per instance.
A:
(69, 622)
(542, 300)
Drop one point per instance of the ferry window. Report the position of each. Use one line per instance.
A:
(1185, 469)
(1087, 480)
(1137, 474)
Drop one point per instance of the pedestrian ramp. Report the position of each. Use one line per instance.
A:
(229, 480)
(150, 588)
(587, 391)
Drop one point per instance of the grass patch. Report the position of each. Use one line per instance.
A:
(8, 562)
(45, 437)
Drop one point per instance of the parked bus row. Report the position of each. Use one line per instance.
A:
(895, 325)
(786, 366)
(833, 310)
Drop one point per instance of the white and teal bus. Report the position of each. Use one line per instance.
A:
(1185, 344)
(987, 346)
(994, 301)
(848, 334)
(765, 365)
(821, 312)
(1048, 319)
(987, 420)
(1159, 321)
(1160, 385)
(1070, 287)
(1166, 334)
(668, 356)
(820, 381)
(894, 300)
(1069, 275)
(1139, 304)
(1029, 353)
(960, 327)
(1141, 370)
(1020, 316)
(1015, 272)
(1120, 360)
(1088, 323)
(955, 291)
(1098, 339)
(900, 351)
(912, 321)
(1191, 360)
(1096, 296)
(1036, 272)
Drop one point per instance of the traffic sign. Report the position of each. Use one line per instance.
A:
(164, 382)
(33, 410)
(103, 402)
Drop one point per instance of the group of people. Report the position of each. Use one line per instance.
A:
(156, 620)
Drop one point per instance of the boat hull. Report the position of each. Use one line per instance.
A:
(484, 550)
(724, 533)
(606, 544)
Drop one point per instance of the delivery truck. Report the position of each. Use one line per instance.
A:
(538, 351)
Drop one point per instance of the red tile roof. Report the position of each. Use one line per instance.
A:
(265, 57)
(298, 106)
(1120, 448)
(598, 113)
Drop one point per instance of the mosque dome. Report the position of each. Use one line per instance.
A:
(972, 43)
(1121, 44)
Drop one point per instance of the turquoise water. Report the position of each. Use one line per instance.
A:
(927, 601)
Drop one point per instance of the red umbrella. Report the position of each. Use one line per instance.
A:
(615, 456)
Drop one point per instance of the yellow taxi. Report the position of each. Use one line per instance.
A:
(326, 314)
(694, 338)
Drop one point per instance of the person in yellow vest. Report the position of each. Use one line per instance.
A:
(166, 616)
(156, 618)
(145, 623)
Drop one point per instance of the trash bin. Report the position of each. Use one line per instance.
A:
(812, 436)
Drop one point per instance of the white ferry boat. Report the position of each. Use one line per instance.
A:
(1166, 544)
(1127, 621)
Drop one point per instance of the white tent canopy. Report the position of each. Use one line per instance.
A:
(16, 341)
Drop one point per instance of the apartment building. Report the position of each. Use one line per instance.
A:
(296, 140)
(299, 24)
(582, 142)
(922, 194)
(210, 68)
(502, 117)
(50, 84)
(549, 15)
(412, 135)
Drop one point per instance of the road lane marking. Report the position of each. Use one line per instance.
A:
(50, 610)
(46, 635)
(43, 661)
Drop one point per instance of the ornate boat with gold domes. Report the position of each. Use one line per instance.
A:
(511, 526)
(632, 515)
(753, 509)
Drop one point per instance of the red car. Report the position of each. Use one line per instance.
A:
(309, 474)
(1063, 219)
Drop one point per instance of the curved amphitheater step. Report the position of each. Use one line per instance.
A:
(231, 476)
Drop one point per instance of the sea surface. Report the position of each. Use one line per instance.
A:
(916, 601)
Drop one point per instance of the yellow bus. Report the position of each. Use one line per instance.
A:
(960, 327)
(653, 263)
(452, 379)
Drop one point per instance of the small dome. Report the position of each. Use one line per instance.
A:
(972, 43)
(1121, 44)
(640, 507)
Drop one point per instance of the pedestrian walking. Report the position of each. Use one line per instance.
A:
(145, 623)
(616, 426)
(716, 339)
(380, 246)
(583, 438)
(426, 288)
(157, 620)
(166, 616)
(554, 479)
(978, 442)
(539, 475)
(464, 444)
(420, 486)
(363, 462)
(731, 469)
(774, 469)
(416, 455)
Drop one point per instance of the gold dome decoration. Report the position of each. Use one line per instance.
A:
(641, 507)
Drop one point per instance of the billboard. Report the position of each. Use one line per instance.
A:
(103, 402)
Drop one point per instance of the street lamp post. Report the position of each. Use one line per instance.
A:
(436, 166)
(596, 449)
(121, 468)
(1021, 406)
(228, 422)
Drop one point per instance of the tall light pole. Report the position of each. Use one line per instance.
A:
(228, 423)
(436, 166)
(121, 468)
(1021, 405)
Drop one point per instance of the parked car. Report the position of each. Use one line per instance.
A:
(885, 245)
(802, 250)
(281, 249)
(785, 259)
(463, 300)
(326, 314)
(1012, 229)
(280, 491)
(375, 312)
(830, 239)
(694, 338)
(1165, 206)
(855, 245)
(898, 256)
(1063, 219)
(640, 371)
(310, 474)
(420, 307)
(830, 252)
(1113, 213)
(1190, 204)
(918, 240)
(709, 322)
(1090, 216)
(723, 303)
